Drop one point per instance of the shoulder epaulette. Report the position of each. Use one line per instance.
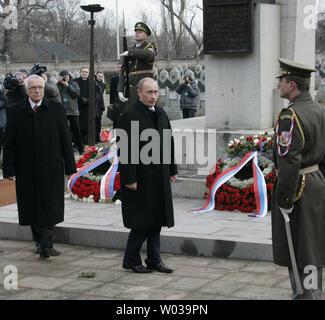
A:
(151, 45)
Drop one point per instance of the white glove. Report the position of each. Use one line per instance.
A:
(124, 54)
(286, 212)
(121, 97)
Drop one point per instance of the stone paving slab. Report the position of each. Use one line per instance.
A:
(217, 233)
(194, 277)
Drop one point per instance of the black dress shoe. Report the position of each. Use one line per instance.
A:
(49, 252)
(160, 267)
(53, 253)
(44, 255)
(37, 248)
(137, 269)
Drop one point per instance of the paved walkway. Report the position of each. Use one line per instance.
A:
(58, 278)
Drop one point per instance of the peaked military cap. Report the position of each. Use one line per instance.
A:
(143, 27)
(295, 69)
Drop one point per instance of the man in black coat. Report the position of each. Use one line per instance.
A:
(83, 102)
(145, 178)
(37, 153)
(117, 106)
(100, 105)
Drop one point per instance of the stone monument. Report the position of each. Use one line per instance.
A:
(241, 66)
(243, 40)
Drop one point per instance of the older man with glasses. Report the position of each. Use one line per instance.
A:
(37, 153)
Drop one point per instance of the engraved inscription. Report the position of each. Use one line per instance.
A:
(227, 28)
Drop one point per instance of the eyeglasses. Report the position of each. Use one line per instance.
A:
(34, 88)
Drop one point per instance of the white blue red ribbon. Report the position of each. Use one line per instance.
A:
(107, 180)
(259, 186)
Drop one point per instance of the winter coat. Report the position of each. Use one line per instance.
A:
(38, 151)
(306, 149)
(83, 102)
(189, 96)
(3, 106)
(151, 205)
(52, 92)
(100, 105)
(69, 97)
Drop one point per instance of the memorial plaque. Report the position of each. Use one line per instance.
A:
(227, 26)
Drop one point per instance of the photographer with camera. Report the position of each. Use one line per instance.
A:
(189, 92)
(70, 91)
(15, 88)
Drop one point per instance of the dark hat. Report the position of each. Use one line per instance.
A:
(23, 70)
(295, 69)
(143, 27)
(63, 73)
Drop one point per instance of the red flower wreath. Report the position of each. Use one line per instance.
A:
(229, 199)
(84, 187)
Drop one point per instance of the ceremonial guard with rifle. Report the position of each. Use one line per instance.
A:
(298, 198)
(138, 63)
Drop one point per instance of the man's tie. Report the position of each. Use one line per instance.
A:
(35, 108)
(152, 109)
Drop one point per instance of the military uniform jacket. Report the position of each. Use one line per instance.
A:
(139, 59)
(38, 152)
(150, 206)
(306, 148)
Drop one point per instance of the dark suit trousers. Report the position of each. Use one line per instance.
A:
(43, 235)
(136, 239)
(75, 130)
(98, 128)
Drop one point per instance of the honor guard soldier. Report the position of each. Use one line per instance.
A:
(298, 198)
(138, 64)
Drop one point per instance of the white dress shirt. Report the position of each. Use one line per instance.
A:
(33, 104)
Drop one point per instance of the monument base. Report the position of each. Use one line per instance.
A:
(198, 149)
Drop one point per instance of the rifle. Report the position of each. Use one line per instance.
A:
(126, 63)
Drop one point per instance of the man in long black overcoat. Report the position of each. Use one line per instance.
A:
(37, 153)
(146, 184)
(83, 103)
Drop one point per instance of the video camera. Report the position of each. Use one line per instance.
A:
(10, 82)
(38, 70)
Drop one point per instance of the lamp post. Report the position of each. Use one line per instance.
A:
(92, 8)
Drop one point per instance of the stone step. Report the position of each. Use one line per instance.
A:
(189, 185)
(216, 234)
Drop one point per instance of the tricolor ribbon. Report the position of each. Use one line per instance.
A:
(259, 186)
(107, 182)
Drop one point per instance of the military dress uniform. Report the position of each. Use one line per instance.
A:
(299, 154)
(140, 61)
